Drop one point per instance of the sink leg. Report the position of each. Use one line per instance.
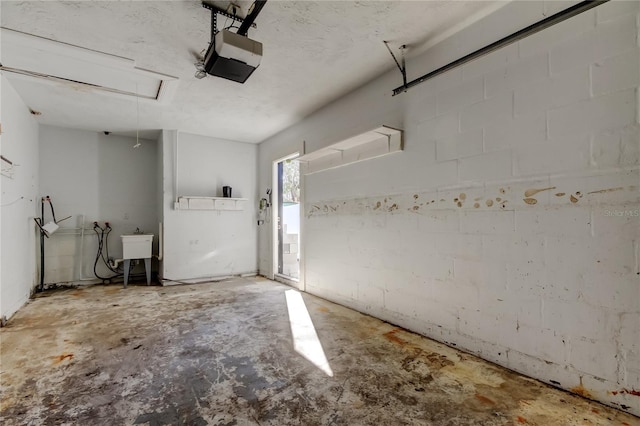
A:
(127, 263)
(147, 268)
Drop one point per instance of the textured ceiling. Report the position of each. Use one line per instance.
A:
(314, 52)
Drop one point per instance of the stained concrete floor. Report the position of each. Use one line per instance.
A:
(222, 354)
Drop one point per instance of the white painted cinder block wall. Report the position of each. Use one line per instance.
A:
(509, 225)
(19, 201)
(95, 177)
(208, 243)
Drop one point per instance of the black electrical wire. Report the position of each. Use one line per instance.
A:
(53, 212)
(233, 20)
(106, 241)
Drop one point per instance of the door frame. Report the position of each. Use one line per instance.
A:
(275, 207)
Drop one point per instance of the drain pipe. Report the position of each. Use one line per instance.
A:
(160, 242)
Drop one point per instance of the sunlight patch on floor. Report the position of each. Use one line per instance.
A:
(305, 338)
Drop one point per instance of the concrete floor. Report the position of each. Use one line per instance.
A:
(223, 354)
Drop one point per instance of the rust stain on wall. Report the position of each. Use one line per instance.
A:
(533, 191)
(476, 205)
(581, 390)
(602, 191)
(573, 199)
(530, 201)
(560, 194)
(626, 391)
(489, 203)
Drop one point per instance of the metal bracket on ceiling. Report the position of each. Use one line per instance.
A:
(215, 11)
(547, 22)
(403, 67)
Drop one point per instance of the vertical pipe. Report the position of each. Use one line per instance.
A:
(81, 246)
(41, 245)
(175, 167)
(160, 242)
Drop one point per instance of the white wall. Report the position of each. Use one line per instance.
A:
(451, 239)
(103, 178)
(202, 244)
(19, 201)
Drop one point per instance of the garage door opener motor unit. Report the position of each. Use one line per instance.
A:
(230, 55)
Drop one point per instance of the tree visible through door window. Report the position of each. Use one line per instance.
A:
(289, 218)
(291, 182)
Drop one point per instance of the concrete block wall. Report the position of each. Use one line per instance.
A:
(510, 226)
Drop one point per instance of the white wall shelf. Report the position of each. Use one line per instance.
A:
(188, 202)
(374, 143)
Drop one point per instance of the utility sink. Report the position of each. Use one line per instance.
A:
(136, 246)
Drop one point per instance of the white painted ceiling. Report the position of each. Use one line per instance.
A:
(314, 52)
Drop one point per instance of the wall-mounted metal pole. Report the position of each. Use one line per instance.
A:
(512, 38)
